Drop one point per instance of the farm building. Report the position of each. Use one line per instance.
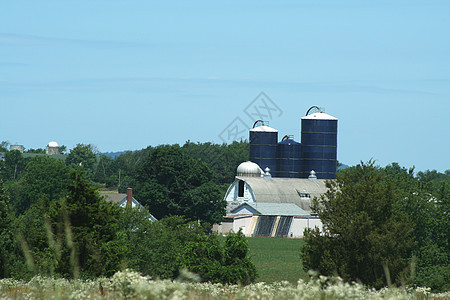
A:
(252, 185)
(52, 148)
(262, 205)
(276, 201)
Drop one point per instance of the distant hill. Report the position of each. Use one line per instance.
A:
(114, 154)
(342, 167)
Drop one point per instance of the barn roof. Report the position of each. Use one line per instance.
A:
(286, 190)
(270, 209)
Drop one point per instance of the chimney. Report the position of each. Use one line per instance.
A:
(129, 197)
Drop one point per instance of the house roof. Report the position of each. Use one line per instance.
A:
(286, 190)
(121, 199)
(270, 209)
(113, 197)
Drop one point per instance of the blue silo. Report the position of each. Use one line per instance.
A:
(263, 147)
(289, 164)
(319, 145)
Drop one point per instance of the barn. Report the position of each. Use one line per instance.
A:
(261, 203)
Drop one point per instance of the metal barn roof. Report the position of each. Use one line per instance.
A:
(286, 190)
(270, 209)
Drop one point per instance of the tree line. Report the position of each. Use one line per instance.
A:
(54, 221)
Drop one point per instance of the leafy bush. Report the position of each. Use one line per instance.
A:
(214, 263)
(161, 249)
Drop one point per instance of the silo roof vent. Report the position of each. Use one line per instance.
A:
(267, 173)
(312, 175)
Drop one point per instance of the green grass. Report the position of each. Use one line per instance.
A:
(277, 259)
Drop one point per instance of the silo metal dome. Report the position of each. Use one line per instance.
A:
(319, 145)
(249, 169)
(289, 164)
(263, 147)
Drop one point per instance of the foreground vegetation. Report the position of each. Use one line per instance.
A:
(130, 285)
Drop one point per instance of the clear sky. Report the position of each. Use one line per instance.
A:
(123, 75)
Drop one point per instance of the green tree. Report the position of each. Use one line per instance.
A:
(172, 183)
(84, 156)
(154, 247)
(38, 150)
(90, 227)
(228, 264)
(13, 166)
(204, 256)
(7, 243)
(44, 177)
(425, 199)
(33, 231)
(104, 169)
(4, 145)
(62, 149)
(221, 159)
(238, 266)
(363, 237)
(160, 249)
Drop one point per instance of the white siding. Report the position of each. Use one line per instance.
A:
(232, 193)
(244, 223)
(300, 223)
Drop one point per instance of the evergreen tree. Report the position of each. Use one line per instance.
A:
(363, 237)
(7, 243)
(83, 156)
(89, 225)
(44, 177)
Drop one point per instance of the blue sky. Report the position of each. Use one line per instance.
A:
(123, 75)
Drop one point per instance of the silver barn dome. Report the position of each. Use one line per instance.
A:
(249, 169)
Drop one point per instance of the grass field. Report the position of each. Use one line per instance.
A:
(276, 259)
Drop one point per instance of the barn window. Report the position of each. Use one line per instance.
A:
(304, 194)
(241, 188)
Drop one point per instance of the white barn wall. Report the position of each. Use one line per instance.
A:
(232, 193)
(245, 223)
(300, 223)
(248, 223)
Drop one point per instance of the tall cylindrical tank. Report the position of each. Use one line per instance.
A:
(289, 164)
(263, 147)
(319, 145)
